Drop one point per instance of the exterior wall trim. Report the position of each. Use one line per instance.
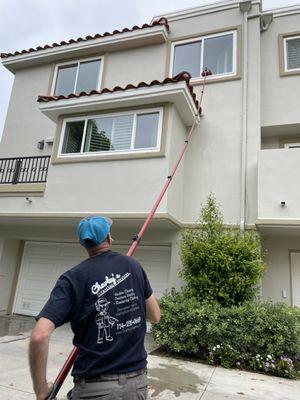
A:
(278, 222)
(30, 189)
(281, 45)
(133, 216)
(202, 10)
(285, 11)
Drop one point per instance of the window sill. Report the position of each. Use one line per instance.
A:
(107, 157)
(22, 189)
(226, 78)
(290, 73)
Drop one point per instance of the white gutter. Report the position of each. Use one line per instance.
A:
(245, 7)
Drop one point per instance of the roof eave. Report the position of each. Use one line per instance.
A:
(176, 93)
(143, 37)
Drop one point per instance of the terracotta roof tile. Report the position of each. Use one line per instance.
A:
(183, 76)
(162, 21)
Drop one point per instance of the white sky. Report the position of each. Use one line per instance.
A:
(30, 23)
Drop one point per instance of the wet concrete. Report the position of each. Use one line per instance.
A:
(13, 325)
(175, 380)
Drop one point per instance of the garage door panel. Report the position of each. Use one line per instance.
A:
(43, 263)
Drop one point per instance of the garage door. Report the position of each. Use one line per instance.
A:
(43, 263)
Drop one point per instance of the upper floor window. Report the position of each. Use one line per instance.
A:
(215, 52)
(292, 53)
(112, 133)
(76, 77)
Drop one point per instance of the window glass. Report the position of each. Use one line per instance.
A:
(98, 134)
(146, 131)
(109, 133)
(88, 76)
(218, 53)
(73, 137)
(293, 53)
(65, 80)
(187, 57)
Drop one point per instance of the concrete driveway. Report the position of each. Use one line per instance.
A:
(169, 378)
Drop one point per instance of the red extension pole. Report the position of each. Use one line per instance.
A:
(70, 360)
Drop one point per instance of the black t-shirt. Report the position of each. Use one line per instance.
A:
(104, 299)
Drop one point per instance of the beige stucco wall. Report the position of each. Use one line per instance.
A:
(278, 174)
(280, 104)
(278, 275)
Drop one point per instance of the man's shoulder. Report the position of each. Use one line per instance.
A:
(127, 259)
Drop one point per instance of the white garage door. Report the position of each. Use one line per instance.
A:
(43, 263)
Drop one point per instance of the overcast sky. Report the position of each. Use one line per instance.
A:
(30, 23)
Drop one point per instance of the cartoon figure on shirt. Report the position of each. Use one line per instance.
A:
(104, 321)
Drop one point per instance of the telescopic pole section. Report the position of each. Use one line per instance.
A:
(136, 240)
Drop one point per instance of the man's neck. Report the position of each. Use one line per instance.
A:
(98, 250)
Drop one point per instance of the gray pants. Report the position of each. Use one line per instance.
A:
(125, 388)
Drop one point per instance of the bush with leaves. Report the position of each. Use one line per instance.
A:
(220, 264)
(261, 336)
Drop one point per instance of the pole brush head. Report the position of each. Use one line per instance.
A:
(206, 72)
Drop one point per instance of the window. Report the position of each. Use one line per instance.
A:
(124, 132)
(81, 76)
(292, 145)
(292, 53)
(215, 52)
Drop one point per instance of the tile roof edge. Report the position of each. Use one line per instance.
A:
(183, 76)
(161, 21)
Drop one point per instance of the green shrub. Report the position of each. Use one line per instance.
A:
(258, 335)
(220, 264)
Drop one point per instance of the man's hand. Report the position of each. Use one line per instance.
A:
(42, 394)
(38, 355)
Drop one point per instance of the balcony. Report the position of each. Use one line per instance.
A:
(23, 174)
(278, 187)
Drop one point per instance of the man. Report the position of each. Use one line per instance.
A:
(106, 298)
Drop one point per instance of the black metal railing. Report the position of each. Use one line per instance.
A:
(24, 169)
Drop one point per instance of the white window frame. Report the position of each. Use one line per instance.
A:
(292, 145)
(114, 152)
(78, 62)
(285, 40)
(202, 38)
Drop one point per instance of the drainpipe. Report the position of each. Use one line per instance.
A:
(245, 7)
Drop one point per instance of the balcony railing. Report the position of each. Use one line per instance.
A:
(24, 169)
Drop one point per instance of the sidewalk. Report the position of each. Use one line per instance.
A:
(169, 378)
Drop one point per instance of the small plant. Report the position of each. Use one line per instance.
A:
(220, 264)
(224, 354)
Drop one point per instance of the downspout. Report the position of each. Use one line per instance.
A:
(245, 7)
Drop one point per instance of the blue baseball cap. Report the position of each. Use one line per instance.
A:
(95, 228)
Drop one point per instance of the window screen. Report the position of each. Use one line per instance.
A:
(88, 75)
(146, 130)
(65, 80)
(187, 57)
(73, 137)
(293, 53)
(218, 53)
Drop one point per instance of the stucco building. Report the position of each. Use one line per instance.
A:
(95, 124)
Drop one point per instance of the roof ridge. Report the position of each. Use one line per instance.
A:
(161, 21)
